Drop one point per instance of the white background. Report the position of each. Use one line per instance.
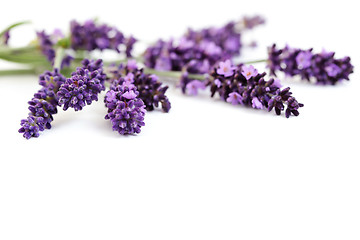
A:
(206, 170)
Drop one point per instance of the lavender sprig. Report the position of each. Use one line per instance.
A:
(322, 67)
(245, 86)
(90, 36)
(126, 110)
(199, 51)
(77, 91)
(43, 105)
(150, 89)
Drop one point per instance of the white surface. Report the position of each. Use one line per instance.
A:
(207, 170)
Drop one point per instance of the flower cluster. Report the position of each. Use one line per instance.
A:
(323, 67)
(183, 54)
(245, 86)
(199, 51)
(80, 89)
(47, 45)
(83, 86)
(228, 37)
(150, 89)
(43, 105)
(126, 110)
(90, 36)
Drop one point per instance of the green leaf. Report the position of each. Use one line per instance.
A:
(13, 26)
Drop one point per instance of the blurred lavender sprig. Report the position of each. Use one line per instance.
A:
(91, 35)
(323, 67)
(198, 51)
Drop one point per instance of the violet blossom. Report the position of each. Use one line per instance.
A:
(43, 105)
(126, 110)
(91, 35)
(322, 67)
(47, 46)
(198, 51)
(150, 89)
(83, 86)
(245, 86)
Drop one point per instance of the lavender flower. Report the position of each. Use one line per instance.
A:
(225, 69)
(234, 98)
(253, 90)
(248, 72)
(322, 67)
(183, 54)
(83, 86)
(149, 87)
(43, 105)
(245, 86)
(90, 36)
(126, 110)
(47, 43)
(227, 37)
(199, 51)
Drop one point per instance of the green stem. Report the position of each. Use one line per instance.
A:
(173, 74)
(59, 56)
(256, 61)
(17, 72)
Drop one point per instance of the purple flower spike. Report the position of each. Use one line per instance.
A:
(150, 89)
(83, 86)
(225, 68)
(43, 105)
(234, 98)
(198, 51)
(46, 43)
(249, 71)
(126, 110)
(252, 90)
(322, 67)
(90, 36)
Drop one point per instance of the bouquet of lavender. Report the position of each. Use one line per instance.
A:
(198, 60)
